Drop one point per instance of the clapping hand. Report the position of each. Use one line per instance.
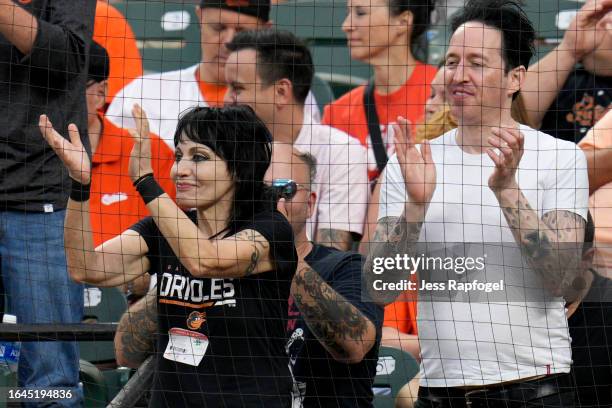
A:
(510, 142)
(71, 152)
(417, 166)
(140, 158)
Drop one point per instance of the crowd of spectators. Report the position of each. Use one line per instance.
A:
(245, 225)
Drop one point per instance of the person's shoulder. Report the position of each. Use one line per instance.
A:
(335, 260)
(538, 141)
(333, 137)
(341, 105)
(268, 220)
(167, 77)
(147, 228)
(183, 74)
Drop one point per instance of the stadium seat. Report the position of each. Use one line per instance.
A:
(395, 368)
(116, 379)
(102, 305)
(94, 385)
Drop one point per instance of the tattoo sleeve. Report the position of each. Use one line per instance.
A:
(338, 325)
(136, 333)
(342, 240)
(393, 236)
(552, 245)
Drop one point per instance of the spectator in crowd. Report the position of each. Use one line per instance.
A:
(43, 68)
(590, 324)
(570, 89)
(438, 119)
(224, 267)
(489, 181)
(272, 71)
(115, 204)
(334, 332)
(400, 328)
(597, 146)
(384, 34)
(113, 33)
(165, 95)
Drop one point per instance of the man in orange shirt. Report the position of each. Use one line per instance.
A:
(112, 31)
(115, 204)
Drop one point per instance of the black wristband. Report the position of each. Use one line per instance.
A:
(79, 192)
(148, 188)
(139, 179)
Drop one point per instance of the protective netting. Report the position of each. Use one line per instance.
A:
(232, 203)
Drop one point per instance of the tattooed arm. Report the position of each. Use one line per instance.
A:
(393, 236)
(552, 245)
(136, 333)
(243, 254)
(342, 240)
(345, 332)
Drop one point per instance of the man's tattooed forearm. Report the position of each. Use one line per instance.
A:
(393, 236)
(138, 328)
(551, 245)
(333, 320)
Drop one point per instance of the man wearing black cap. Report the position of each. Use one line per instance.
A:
(163, 96)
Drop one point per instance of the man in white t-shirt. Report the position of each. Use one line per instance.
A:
(271, 71)
(514, 200)
(165, 95)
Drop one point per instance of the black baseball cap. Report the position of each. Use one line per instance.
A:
(255, 8)
(99, 63)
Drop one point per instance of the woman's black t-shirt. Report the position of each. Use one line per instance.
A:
(228, 335)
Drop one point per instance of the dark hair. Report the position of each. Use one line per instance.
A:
(242, 140)
(280, 54)
(508, 16)
(589, 233)
(421, 15)
(99, 63)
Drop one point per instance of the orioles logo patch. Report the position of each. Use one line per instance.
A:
(195, 320)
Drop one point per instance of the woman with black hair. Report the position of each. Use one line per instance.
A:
(224, 268)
